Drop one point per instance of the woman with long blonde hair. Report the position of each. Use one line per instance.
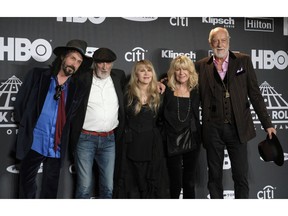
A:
(143, 163)
(182, 134)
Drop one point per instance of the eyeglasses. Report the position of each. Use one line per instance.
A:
(59, 89)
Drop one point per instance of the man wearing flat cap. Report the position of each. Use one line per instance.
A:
(44, 108)
(97, 131)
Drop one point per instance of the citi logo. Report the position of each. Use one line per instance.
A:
(137, 54)
(172, 54)
(259, 24)
(15, 169)
(266, 193)
(267, 59)
(94, 20)
(141, 19)
(22, 49)
(179, 21)
(227, 22)
(227, 194)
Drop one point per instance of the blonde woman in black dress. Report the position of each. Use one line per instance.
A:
(182, 134)
(143, 168)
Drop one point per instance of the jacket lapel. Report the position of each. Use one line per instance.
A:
(210, 74)
(232, 67)
(43, 89)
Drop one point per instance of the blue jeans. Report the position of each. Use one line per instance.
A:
(102, 150)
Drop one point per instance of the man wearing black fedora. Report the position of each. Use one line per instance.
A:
(44, 108)
(97, 130)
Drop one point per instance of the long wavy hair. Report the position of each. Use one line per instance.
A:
(133, 91)
(182, 62)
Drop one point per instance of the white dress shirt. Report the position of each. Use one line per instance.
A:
(102, 108)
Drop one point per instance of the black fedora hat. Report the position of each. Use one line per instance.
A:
(78, 45)
(271, 150)
(104, 55)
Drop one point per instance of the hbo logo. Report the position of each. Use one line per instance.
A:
(267, 59)
(22, 49)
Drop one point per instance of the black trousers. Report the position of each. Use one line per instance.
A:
(28, 172)
(182, 174)
(219, 139)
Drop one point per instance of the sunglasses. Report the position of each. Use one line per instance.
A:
(59, 89)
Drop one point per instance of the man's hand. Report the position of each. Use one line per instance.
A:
(161, 87)
(270, 131)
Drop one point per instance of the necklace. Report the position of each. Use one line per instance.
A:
(144, 99)
(227, 94)
(178, 110)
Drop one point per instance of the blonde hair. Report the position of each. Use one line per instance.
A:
(133, 90)
(182, 62)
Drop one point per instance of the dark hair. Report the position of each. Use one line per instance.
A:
(56, 64)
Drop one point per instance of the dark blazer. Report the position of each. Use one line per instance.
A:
(119, 80)
(243, 84)
(29, 104)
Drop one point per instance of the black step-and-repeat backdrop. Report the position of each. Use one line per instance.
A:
(28, 42)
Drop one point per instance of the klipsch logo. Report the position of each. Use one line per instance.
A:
(277, 107)
(226, 22)
(259, 24)
(172, 54)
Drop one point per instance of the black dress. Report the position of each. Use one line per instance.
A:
(144, 172)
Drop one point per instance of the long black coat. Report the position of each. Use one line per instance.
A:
(29, 104)
(243, 86)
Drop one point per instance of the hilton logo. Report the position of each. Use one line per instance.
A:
(259, 24)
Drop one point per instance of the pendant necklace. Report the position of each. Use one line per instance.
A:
(178, 110)
(227, 94)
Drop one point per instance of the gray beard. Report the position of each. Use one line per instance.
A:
(216, 53)
(101, 75)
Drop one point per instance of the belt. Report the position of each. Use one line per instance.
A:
(94, 133)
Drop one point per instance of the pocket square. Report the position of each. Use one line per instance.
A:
(241, 70)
